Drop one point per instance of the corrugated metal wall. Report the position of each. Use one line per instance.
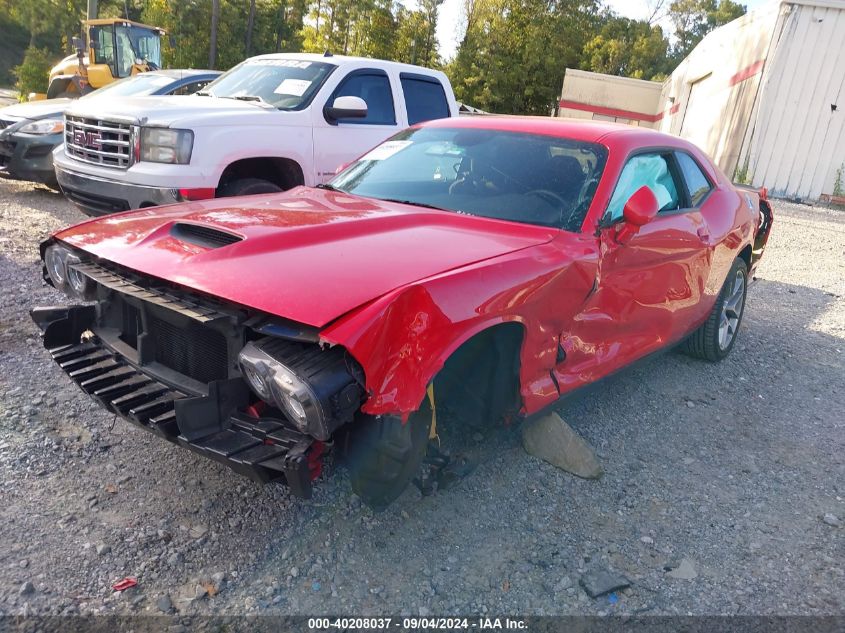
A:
(797, 141)
(710, 97)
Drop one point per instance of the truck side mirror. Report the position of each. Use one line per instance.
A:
(345, 108)
(79, 44)
(641, 208)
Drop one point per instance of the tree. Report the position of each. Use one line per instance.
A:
(693, 19)
(374, 28)
(33, 72)
(513, 54)
(629, 48)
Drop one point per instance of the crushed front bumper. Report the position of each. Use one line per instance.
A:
(264, 449)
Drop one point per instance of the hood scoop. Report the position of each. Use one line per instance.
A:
(204, 236)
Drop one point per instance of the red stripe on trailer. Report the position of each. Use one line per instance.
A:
(746, 73)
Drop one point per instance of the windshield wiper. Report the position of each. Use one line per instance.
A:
(328, 187)
(248, 98)
(416, 204)
(202, 93)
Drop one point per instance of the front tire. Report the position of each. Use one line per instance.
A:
(385, 455)
(715, 339)
(248, 187)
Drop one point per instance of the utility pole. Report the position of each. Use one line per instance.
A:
(215, 20)
(250, 23)
(92, 9)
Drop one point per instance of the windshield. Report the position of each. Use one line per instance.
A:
(513, 176)
(287, 84)
(137, 86)
(120, 47)
(144, 44)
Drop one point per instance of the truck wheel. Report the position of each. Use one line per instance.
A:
(714, 340)
(248, 187)
(385, 455)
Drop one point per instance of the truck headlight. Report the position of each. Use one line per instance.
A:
(312, 386)
(43, 127)
(164, 145)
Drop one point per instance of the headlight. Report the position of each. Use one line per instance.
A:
(313, 387)
(59, 262)
(55, 260)
(275, 383)
(163, 145)
(43, 127)
(79, 284)
(256, 381)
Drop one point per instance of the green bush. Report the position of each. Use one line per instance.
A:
(741, 175)
(838, 185)
(33, 72)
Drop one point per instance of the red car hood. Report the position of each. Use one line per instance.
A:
(309, 255)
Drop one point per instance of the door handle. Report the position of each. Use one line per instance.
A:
(703, 234)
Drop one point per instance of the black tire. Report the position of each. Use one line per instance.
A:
(385, 455)
(706, 342)
(248, 187)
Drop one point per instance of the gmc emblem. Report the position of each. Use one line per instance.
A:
(87, 139)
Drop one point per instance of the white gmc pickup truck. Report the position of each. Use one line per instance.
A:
(271, 123)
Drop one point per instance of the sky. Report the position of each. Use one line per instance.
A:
(450, 21)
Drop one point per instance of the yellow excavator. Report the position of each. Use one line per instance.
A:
(116, 48)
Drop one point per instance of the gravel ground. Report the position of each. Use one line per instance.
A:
(723, 491)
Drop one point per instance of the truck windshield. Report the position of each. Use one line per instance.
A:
(144, 44)
(530, 178)
(287, 84)
(121, 46)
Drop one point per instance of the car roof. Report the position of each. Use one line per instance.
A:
(586, 130)
(342, 60)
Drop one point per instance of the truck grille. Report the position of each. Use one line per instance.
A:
(99, 142)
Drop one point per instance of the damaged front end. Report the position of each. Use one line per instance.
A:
(185, 367)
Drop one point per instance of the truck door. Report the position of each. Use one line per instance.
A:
(425, 99)
(339, 142)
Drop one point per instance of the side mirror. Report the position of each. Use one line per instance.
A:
(641, 208)
(78, 44)
(345, 108)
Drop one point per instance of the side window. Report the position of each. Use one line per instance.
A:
(651, 170)
(103, 52)
(697, 183)
(374, 88)
(424, 98)
(191, 88)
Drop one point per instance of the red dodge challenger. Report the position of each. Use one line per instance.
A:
(491, 264)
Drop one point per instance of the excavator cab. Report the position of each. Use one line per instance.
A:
(115, 49)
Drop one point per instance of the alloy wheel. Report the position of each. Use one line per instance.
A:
(732, 311)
